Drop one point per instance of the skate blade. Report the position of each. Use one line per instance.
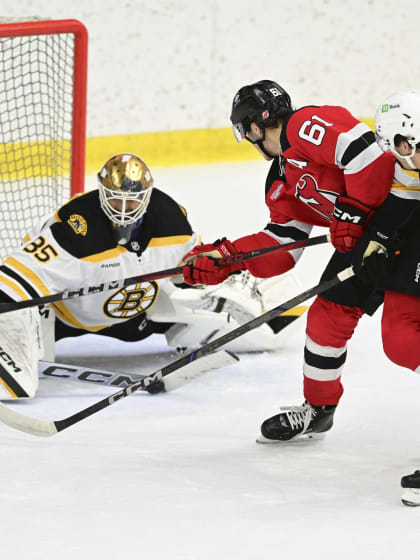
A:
(299, 438)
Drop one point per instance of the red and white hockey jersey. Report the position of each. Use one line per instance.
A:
(326, 153)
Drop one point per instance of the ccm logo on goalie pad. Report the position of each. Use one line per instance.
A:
(344, 216)
(8, 360)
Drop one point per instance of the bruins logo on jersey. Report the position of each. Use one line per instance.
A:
(78, 224)
(131, 300)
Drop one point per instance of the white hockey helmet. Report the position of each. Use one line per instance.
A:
(399, 114)
(125, 177)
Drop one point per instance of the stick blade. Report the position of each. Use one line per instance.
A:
(34, 426)
(197, 368)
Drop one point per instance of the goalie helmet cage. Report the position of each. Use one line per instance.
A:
(43, 83)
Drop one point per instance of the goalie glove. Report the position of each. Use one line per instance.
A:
(200, 266)
(348, 223)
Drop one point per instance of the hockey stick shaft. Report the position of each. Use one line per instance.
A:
(48, 428)
(247, 255)
(119, 284)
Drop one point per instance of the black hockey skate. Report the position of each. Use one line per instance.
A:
(297, 423)
(411, 493)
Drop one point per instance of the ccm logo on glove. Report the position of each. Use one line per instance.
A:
(344, 216)
(348, 221)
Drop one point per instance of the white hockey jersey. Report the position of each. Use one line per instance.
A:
(76, 248)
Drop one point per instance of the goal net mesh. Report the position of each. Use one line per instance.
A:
(36, 104)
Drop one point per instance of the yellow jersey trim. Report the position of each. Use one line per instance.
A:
(410, 172)
(29, 275)
(171, 240)
(15, 287)
(400, 187)
(63, 311)
(106, 255)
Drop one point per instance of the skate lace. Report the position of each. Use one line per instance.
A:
(299, 416)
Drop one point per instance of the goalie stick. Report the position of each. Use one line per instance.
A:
(119, 284)
(47, 428)
(220, 359)
(73, 372)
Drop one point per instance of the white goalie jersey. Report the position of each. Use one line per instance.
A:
(76, 249)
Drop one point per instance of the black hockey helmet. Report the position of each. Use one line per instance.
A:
(263, 103)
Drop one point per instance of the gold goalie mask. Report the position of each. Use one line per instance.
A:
(125, 187)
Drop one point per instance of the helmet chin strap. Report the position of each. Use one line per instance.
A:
(264, 151)
(408, 159)
(260, 144)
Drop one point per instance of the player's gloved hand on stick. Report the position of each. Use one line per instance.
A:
(200, 266)
(349, 220)
(371, 255)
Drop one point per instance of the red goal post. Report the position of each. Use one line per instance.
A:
(43, 86)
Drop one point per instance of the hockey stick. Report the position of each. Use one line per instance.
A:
(177, 378)
(46, 428)
(119, 284)
(107, 378)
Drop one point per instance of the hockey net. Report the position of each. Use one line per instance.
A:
(43, 69)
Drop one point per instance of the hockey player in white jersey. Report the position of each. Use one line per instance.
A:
(125, 227)
(396, 226)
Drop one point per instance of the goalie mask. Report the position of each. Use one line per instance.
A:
(399, 115)
(263, 103)
(125, 187)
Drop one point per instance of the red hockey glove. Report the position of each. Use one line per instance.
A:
(349, 220)
(200, 266)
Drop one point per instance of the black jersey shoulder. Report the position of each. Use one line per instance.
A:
(83, 229)
(164, 218)
(275, 173)
(397, 214)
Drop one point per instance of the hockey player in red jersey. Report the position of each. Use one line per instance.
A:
(327, 170)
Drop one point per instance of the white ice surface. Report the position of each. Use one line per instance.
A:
(179, 476)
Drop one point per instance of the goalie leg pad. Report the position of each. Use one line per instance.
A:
(20, 348)
(240, 299)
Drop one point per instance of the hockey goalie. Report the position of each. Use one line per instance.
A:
(123, 228)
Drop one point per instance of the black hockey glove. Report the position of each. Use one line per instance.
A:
(371, 255)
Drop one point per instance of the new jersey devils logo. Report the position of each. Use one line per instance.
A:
(131, 300)
(319, 200)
